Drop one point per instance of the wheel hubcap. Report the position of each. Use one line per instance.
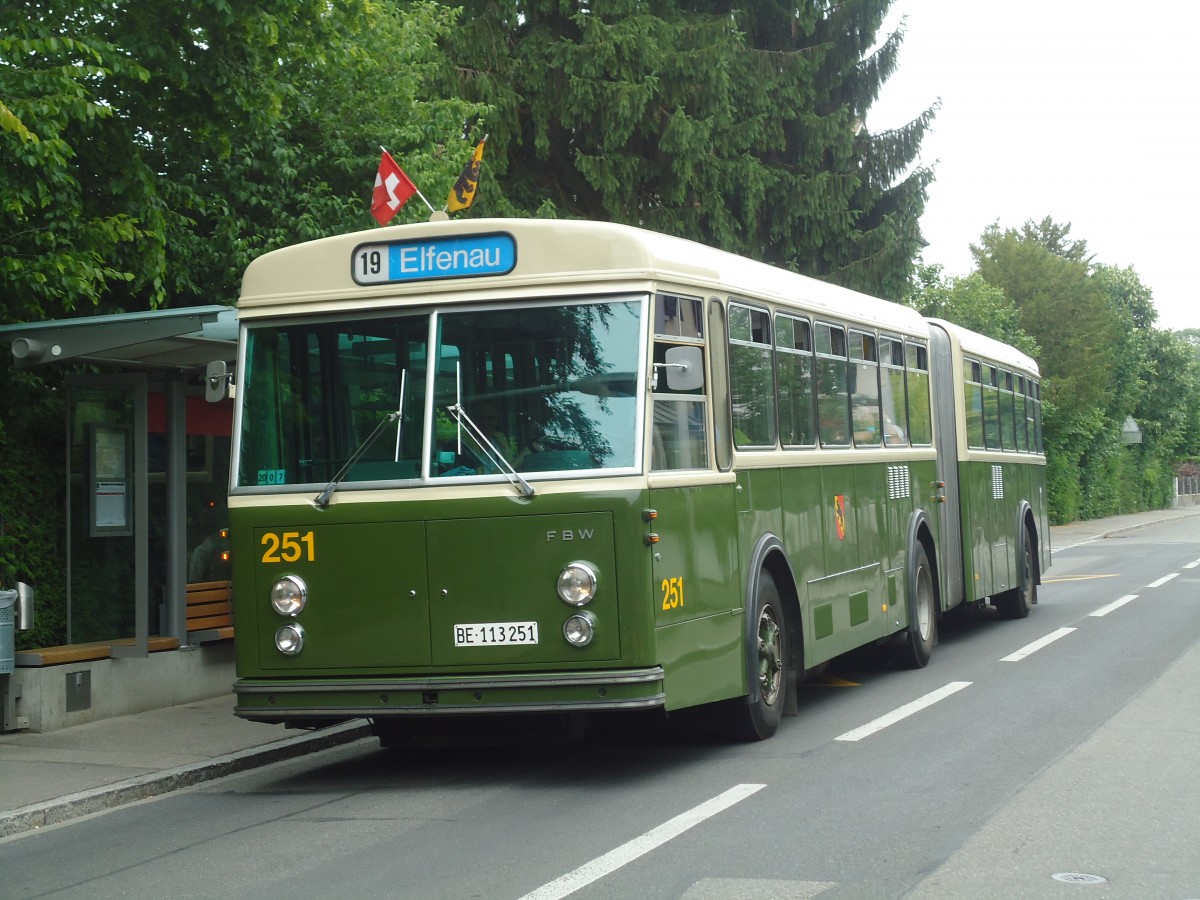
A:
(770, 656)
(924, 603)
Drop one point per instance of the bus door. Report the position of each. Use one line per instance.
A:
(695, 591)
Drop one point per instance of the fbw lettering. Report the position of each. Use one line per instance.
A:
(571, 534)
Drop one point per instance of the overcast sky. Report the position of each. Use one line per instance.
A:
(1082, 110)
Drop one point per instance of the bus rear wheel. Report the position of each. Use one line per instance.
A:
(756, 717)
(1016, 603)
(916, 646)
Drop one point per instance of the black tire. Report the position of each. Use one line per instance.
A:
(1017, 603)
(918, 640)
(756, 716)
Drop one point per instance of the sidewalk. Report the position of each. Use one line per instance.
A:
(53, 777)
(60, 775)
(1064, 536)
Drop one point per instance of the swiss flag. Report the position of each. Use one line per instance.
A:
(392, 189)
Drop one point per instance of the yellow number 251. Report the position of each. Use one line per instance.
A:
(672, 589)
(290, 547)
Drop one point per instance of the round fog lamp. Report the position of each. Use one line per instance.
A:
(579, 629)
(289, 639)
(577, 584)
(288, 595)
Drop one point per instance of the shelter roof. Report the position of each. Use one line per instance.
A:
(179, 339)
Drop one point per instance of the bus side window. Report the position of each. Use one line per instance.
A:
(679, 437)
(891, 385)
(833, 386)
(794, 374)
(1023, 436)
(973, 397)
(751, 376)
(1008, 438)
(679, 431)
(991, 408)
(864, 394)
(920, 416)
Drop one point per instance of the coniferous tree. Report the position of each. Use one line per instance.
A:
(738, 126)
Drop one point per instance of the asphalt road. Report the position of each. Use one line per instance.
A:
(1026, 750)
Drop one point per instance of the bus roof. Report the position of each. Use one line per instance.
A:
(550, 251)
(974, 344)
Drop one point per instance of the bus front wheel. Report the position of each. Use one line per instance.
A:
(916, 647)
(756, 717)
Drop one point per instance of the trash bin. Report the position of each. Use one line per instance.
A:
(8, 628)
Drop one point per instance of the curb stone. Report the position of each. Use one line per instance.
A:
(141, 787)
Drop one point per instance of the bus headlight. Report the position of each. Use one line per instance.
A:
(580, 629)
(289, 595)
(577, 584)
(289, 639)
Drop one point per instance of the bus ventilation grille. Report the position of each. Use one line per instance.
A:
(899, 483)
(997, 482)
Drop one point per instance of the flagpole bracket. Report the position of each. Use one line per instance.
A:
(439, 215)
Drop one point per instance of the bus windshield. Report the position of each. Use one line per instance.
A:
(547, 387)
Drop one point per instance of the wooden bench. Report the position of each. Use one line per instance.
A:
(89, 652)
(209, 611)
(209, 618)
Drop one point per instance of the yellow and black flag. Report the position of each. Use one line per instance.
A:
(462, 194)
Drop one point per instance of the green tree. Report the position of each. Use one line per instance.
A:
(1103, 362)
(149, 150)
(1068, 313)
(59, 248)
(971, 302)
(740, 126)
(152, 149)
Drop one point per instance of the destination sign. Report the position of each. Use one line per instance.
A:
(424, 258)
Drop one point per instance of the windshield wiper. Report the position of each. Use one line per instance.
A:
(498, 459)
(322, 499)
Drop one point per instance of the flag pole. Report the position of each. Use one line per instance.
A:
(414, 184)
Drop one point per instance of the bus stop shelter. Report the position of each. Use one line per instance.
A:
(147, 466)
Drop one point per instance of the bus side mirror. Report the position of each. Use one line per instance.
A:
(218, 382)
(685, 368)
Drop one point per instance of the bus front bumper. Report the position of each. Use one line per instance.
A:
(326, 700)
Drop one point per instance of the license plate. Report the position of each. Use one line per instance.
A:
(495, 634)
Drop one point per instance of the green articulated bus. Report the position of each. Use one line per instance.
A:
(561, 467)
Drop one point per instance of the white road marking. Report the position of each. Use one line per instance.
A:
(1193, 564)
(1116, 604)
(1037, 645)
(903, 712)
(639, 846)
(1163, 580)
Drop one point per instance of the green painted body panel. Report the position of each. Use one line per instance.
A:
(700, 639)
(368, 598)
(705, 659)
(505, 570)
(991, 500)
(389, 581)
(851, 585)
